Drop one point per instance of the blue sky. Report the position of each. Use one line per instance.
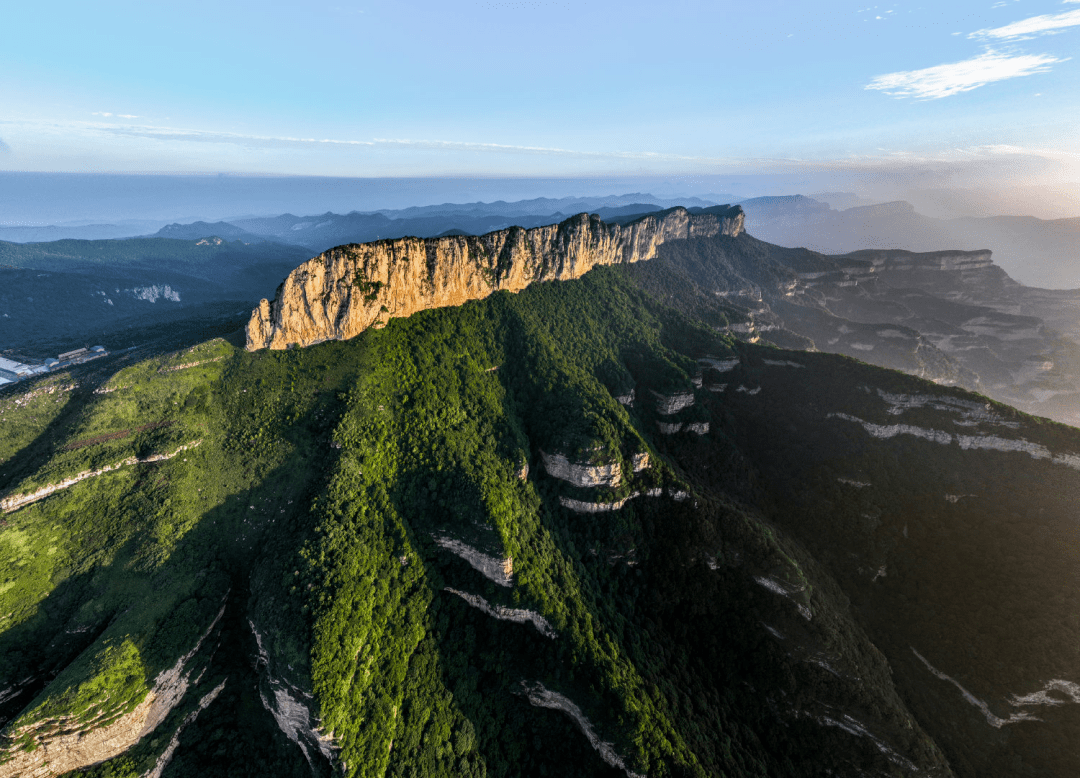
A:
(989, 88)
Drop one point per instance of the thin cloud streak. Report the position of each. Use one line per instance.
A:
(1046, 24)
(887, 159)
(200, 136)
(940, 81)
(397, 157)
(264, 141)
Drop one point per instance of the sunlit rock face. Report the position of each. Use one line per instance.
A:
(582, 474)
(339, 294)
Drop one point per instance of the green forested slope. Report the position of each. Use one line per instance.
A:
(313, 540)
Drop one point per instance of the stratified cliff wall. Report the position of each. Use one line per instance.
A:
(898, 259)
(339, 294)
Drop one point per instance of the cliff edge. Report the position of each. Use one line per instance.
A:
(340, 293)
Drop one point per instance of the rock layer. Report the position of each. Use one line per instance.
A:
(15, 501)
(503, 613)
(541, 697)
(339, 294)
(73, 746)
(582, 474)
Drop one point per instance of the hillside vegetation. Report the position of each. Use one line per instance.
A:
(437, 548)
(111, 291)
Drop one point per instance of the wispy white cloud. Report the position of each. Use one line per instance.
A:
(953, 78)
(214, 151)
(117, 115)
(204, 136)
(885, 159)
(1045, 24)
(268, 141)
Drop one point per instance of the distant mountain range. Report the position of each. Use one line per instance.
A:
(315, 231)
(327, 230)
(1036, 252)
(953, 317)
(51, 232)
(950, 316)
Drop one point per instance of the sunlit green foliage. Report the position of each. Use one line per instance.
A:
(311, 510)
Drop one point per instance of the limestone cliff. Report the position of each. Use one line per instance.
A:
(342, 292)
(945, 261)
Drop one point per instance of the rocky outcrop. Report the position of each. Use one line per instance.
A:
(15, 501)
(174, 742)
(582, 474)
(78, 747)
(503, 613)
(897, 260)
(541, 697)
(63, 744)
(187, 365)
(719, 365)
(346, 290)
(496, 569)
(292, 709)
(697, 427)
(966, 442)
(670, 404)
(788, 591)
(580, 506)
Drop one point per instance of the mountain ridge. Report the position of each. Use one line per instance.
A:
(341, 293)
(953, 316)
(1037, 252)
(399, 522)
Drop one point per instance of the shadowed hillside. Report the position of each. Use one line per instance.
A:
(568, 531)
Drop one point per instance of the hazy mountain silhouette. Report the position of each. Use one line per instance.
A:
(1036, 252)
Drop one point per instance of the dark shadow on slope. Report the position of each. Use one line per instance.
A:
(35, 651)
(484, 662)
(235, 735)
(705, 651)
(957, 554)
(37, 452)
